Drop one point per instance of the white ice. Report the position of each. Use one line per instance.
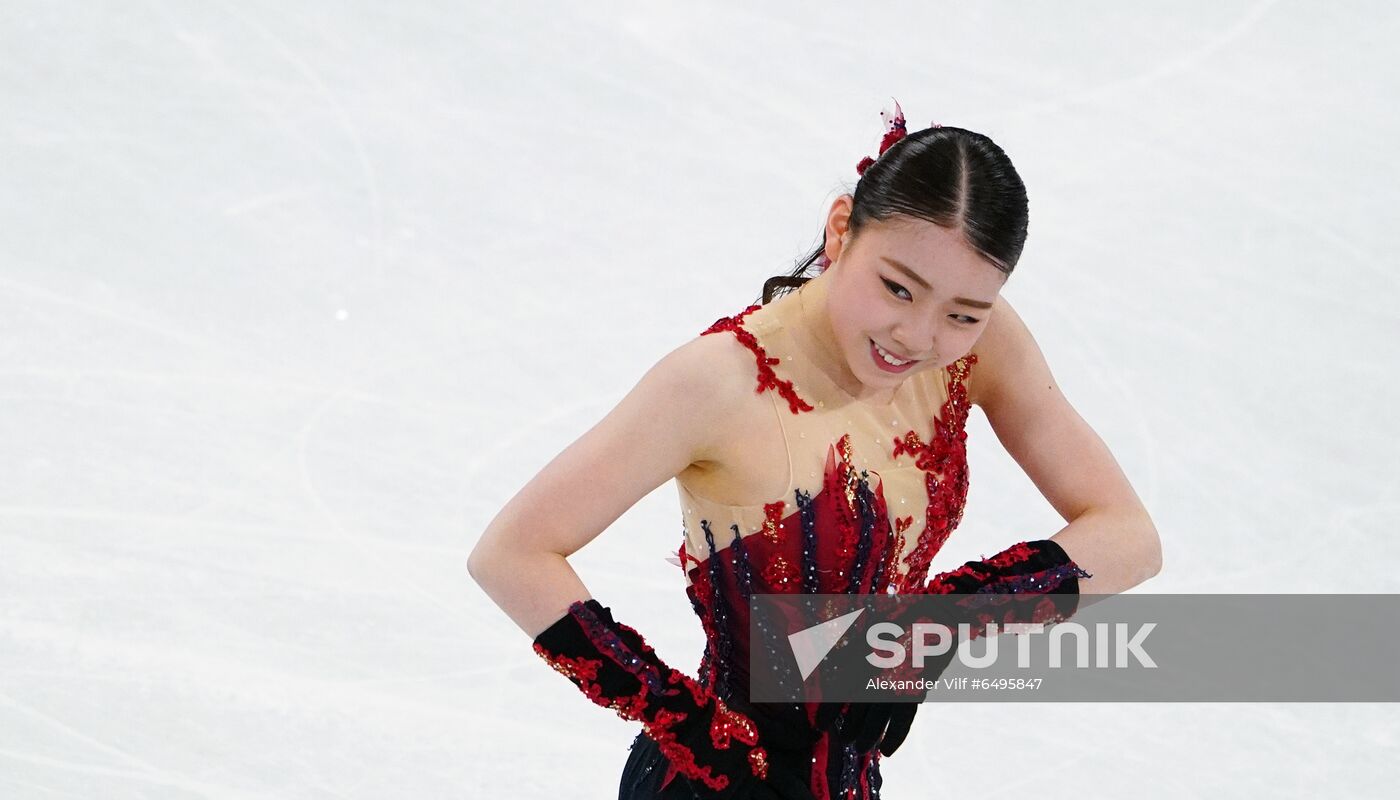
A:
(295, 296)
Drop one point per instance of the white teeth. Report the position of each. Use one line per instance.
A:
(889, 359)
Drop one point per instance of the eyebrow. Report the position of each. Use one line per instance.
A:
(914, 276)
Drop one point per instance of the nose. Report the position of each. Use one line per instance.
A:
(914, 337)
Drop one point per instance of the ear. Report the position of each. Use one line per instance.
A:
(837, 227)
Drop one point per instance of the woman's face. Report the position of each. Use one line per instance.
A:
(910, 286)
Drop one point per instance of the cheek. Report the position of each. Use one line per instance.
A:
(862, 315)
(847, 322)
(962, 342)
(972, 336)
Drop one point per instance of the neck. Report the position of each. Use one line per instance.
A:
(819, 339)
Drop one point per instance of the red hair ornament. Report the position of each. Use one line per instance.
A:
(895, 129)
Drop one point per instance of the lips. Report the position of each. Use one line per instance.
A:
(884, 365)
(892, 353)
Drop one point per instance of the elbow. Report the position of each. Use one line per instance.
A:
(478, 565)
(1152, 559)
(1142, 546)
(489, 569)
(1148, 569)
(489, 556)
(492, 566)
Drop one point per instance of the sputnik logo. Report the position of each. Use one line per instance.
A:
(811, 645)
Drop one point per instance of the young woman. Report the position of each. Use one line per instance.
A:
(817, 441)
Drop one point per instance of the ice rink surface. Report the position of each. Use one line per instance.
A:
(295, 296)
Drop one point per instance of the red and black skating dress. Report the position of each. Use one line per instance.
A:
(873, 493)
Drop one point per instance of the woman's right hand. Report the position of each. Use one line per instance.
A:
(785, 748)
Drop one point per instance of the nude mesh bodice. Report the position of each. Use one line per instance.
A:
(909, 456)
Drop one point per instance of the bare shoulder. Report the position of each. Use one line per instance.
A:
(672, 418)
(716, 371)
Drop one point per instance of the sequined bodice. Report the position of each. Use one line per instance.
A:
(873, 493)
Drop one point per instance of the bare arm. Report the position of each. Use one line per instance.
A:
(662, 426)
(1110, 532)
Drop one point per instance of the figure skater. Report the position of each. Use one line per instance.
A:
(818, 445)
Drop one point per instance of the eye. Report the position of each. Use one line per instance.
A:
(965, 319)
(895, 288)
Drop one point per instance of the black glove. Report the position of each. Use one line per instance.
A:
(1040, 567)
(720, 750)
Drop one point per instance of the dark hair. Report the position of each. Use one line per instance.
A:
(952, 177)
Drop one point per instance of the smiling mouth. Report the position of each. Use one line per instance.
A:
(891, 358)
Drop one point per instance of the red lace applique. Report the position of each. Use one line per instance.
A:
(780, 573)
(945, 582)
(944, 462)
(681, 757)
(758, 762)
(772, 521)
(841, 476)
(1014, 554)
(585, 672)
(698, 693)
(729, 724)
(767, 379)
(580, 668)
(895, 550)
(726, 727)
